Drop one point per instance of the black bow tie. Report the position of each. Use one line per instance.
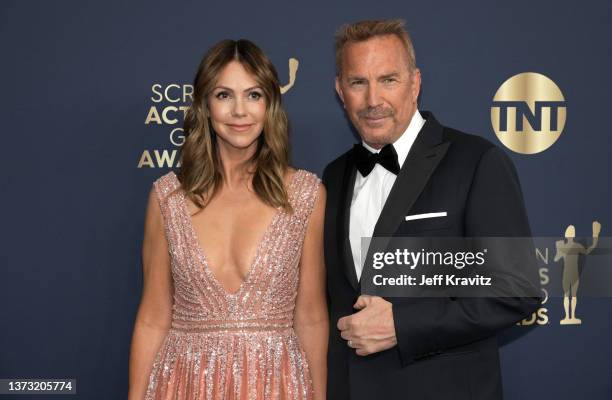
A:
(365, 160)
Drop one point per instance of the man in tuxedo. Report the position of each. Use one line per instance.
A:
(448, 183)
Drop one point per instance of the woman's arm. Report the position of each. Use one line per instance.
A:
(310, 321)
(155, 311)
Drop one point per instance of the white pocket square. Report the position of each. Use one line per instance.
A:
(427, 215)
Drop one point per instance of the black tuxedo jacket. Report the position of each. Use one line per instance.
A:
(447, 347)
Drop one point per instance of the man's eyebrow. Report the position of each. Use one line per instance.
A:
(389, 75)
(393, 74)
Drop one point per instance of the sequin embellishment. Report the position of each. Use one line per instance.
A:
(233, 345)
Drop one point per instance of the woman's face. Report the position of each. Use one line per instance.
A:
(237, 107)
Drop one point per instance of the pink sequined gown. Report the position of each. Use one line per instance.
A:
(241, 345)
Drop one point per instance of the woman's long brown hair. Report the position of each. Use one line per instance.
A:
(201, 173)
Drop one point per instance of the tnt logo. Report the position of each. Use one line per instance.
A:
(528, 113)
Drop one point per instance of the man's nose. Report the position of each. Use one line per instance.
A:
(373, 97)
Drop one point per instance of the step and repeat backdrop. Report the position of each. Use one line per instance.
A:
(92, 104)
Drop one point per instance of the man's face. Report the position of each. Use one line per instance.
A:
(378, 89)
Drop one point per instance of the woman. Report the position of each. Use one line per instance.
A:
(233, 304)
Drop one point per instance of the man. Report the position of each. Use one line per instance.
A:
(410, 348)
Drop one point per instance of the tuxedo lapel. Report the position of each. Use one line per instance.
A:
(424, 156)
(344, 213)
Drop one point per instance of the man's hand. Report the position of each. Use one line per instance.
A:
(370, 330)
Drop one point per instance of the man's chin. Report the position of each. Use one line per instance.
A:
(376, 139)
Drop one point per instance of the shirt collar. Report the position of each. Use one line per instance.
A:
(403, 144)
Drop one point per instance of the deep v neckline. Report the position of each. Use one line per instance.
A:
(204, 260)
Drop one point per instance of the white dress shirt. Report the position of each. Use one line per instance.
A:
(371, 192)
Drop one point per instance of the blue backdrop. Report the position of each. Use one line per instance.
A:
(77, 81)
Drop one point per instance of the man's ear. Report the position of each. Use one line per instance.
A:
(339, 89)
(416, 83)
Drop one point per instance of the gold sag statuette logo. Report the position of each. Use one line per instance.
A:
(528, 113)
(570, 251)
(171, 103)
